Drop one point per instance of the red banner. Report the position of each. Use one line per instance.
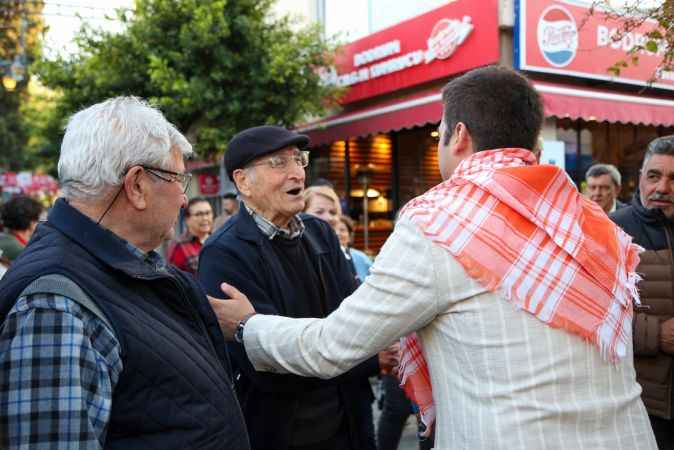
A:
(28, 182)
(448, 40)
(8, 179)
(208, 184)
(562, 37)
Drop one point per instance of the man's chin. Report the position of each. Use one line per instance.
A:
(668, 212)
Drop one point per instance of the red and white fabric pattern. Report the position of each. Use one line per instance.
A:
(524, 230)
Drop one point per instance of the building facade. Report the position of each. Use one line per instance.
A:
(379, 149)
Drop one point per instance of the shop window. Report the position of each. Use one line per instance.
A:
(577, 141)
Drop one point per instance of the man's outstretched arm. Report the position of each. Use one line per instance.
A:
(398, 297)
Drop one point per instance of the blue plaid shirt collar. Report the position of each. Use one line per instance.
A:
(154, 259)
(295, 226)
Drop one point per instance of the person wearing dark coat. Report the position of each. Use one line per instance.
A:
(649, 220)
(288, 264)
(102, 344)
(603, 186)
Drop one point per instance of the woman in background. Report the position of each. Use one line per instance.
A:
(184, 253)
(322, 202)
(361, 262)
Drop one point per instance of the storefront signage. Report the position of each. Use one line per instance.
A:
(209, 184)
(27, 182)
(451, 39)
(563, 37)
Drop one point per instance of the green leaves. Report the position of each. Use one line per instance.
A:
(632, 15)
(212, 67)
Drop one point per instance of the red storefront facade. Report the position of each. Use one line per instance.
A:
(385, 130)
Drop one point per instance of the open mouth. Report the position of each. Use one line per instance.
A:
(295, 191)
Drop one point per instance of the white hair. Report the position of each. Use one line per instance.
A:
(102, 141)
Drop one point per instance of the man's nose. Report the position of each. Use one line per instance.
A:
(296, 172)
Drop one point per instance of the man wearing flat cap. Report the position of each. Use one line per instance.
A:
(288, 264)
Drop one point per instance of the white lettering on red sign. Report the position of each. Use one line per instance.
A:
(609, 37)
(396, 64)
(377, 53)
(447, 35)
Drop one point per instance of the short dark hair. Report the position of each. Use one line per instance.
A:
(663, 145)
(19, 212)
(499, 107)
(229, 196)
(193, 201)
(348, 222)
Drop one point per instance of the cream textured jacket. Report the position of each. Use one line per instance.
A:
(501, 378)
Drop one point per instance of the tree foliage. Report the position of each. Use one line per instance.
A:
(632, 15)
(21, 29)
(212, 67)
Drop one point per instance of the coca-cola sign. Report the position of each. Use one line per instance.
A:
(451, 39)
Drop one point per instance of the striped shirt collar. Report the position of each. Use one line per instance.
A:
(295, 226)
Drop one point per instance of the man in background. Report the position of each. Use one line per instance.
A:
(648, 219)
(230, 206)
(603, 186)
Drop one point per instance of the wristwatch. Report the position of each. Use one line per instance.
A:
(238, 334)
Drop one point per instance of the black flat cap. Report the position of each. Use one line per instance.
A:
(254, 142)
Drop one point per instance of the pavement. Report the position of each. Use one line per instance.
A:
(409, 440)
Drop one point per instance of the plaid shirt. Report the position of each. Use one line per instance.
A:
(295, 226)
(59, 364)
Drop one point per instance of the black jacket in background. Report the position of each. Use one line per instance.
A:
(241, 255)
(646, 226)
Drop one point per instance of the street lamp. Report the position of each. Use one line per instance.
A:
(13, 72)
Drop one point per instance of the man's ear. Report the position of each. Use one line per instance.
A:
(463, 141)
(137, 188)
(538, 149)
(242, 181)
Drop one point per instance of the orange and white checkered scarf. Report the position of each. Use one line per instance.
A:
(524, 230)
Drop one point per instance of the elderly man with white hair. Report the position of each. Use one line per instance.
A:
(91, 316)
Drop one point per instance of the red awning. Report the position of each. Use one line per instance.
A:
(559, 100)
(604, 106)
(412, 111)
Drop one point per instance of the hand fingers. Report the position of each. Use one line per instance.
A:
(215, 302)
(230, 291)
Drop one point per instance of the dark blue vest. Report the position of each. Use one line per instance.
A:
(174, 391)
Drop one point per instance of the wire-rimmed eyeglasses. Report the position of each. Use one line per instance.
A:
(280, 162)
(175, 177)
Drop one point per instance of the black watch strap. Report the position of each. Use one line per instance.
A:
(238, 334)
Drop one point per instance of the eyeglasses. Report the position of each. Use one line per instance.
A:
(175, 177)
(280, 162)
